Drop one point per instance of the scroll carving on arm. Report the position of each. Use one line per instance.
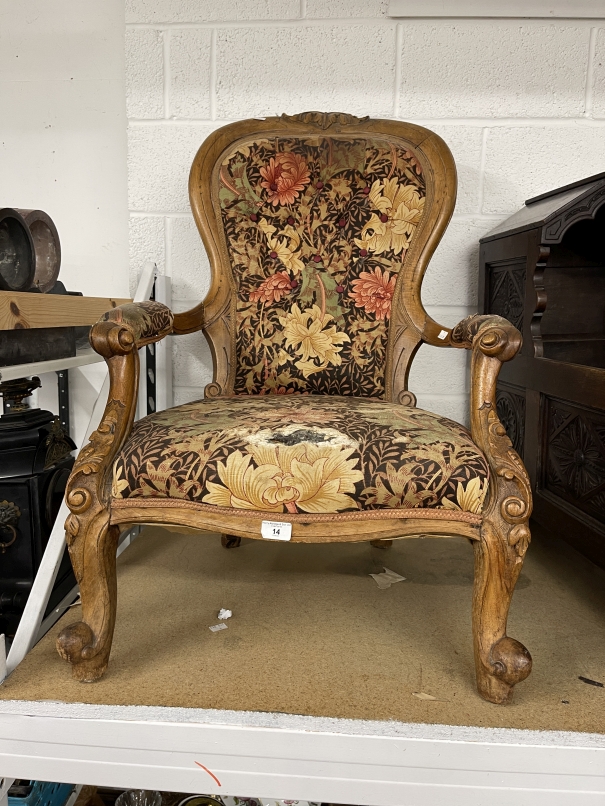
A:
(90, 538)
(501, 661)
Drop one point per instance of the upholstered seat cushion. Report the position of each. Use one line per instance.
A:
(302, 454)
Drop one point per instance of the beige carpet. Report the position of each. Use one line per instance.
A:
(312, 633)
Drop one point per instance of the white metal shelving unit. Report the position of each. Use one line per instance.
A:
(81, 359)
(276, 755)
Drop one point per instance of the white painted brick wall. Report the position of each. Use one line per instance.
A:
(493, 69)
(466, 145)
(457, 256)
(521, 104)
(191, 280)
(346, 8)
(144, 73)
(598, 78)
(264, 71)
(159, 159)
(523, 161)
(147, 242)
(195, 11)
(190, 73)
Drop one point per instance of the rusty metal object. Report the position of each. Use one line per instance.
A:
(47, 248)
(17, 254)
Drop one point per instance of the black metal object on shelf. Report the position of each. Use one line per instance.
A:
(35, 462)
(36, 344)
(31, 440)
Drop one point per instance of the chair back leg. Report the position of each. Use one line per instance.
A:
(230, 541)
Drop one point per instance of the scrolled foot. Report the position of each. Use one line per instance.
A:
(75, 644)
(230, 541)
(510, 663)
(74, 640)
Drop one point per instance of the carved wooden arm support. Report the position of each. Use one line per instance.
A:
(493, 341)
(501, 661)
(117, 337)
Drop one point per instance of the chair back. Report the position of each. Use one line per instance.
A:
(319, 228)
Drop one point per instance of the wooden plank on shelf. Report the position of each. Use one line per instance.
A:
(24, 310)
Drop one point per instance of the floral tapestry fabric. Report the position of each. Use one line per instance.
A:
(317, 230)
(302, 454)
(146, 319)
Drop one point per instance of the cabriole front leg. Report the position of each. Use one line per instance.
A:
(500, 661)
(86, 644)
(91, 540)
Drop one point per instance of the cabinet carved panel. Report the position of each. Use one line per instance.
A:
(574, 465)
(510, 404)
(507, 291)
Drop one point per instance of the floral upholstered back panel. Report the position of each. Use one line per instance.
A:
(317, 230)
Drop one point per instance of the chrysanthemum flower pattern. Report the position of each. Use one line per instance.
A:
(307, 332)
(284, 177)
(273, 288)
(373, 292)
(306, 477)
(303, 454)
(399, 212)
(317, 231)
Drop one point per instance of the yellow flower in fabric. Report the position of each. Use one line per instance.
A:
(283, 250)
(307, 477)
(469, 498)
(307, 333)
(162, 482)
(404, 491)
(118, 484)
(399, 212)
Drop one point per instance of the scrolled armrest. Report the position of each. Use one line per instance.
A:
(116, 336)
(492, 335)
(494, 340)
(131, 326)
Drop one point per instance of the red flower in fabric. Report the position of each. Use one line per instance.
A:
(273, 288)
(374, 291)
(284, 177)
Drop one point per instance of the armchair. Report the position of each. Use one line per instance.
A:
(319, 228)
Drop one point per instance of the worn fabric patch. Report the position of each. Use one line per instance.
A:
(302, 454)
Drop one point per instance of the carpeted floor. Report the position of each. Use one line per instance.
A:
(312, 633)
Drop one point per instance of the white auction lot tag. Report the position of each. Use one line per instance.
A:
(276, 530)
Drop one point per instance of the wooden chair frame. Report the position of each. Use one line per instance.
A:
(500, 536)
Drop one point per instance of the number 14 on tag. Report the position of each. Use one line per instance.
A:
(276, 530)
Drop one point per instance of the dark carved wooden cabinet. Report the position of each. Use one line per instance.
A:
(544, 269)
